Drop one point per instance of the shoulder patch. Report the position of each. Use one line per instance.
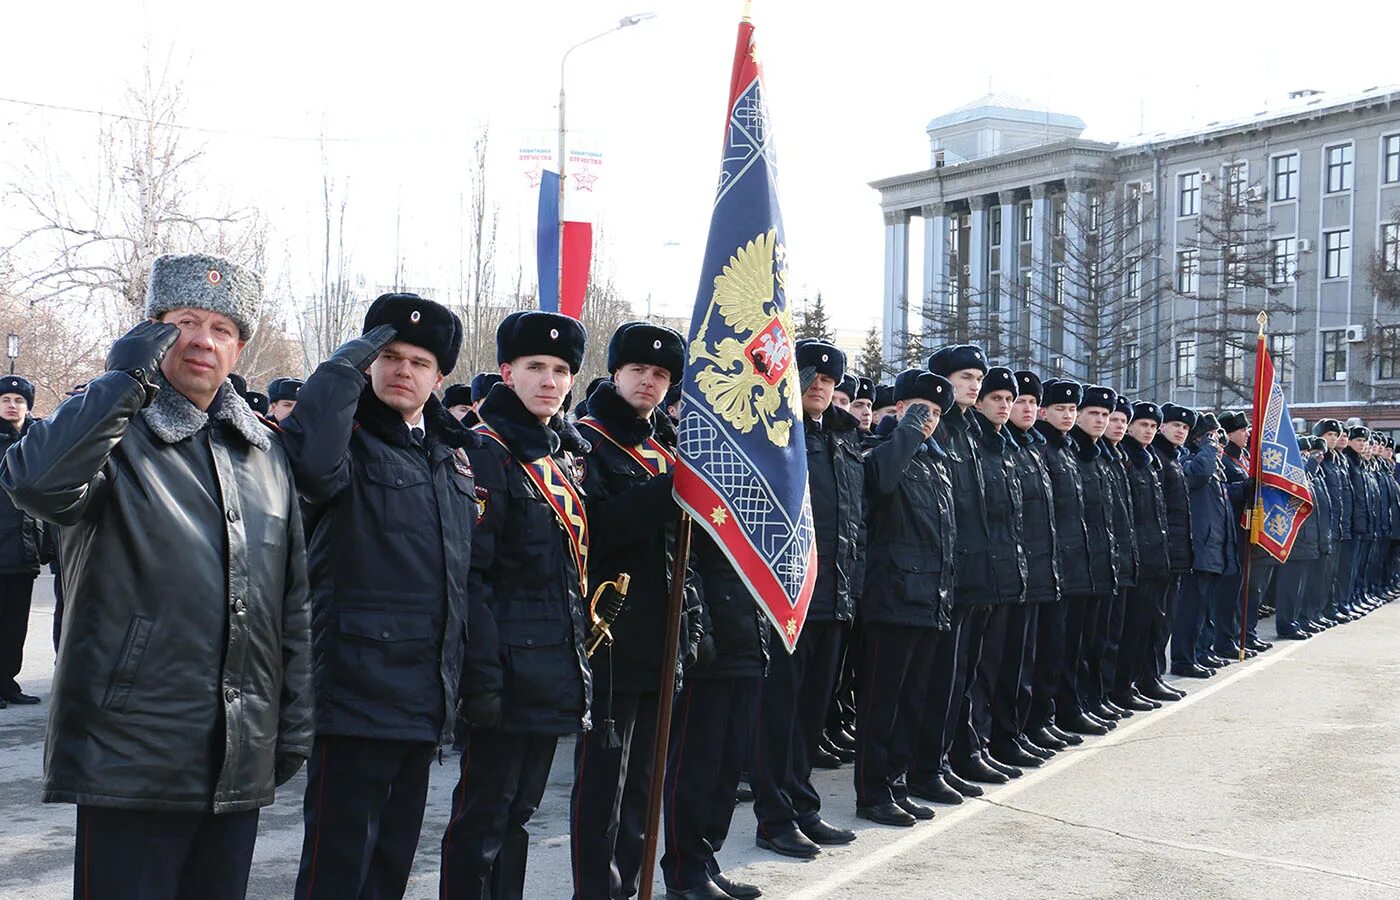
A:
(461, 462)
(483, 498)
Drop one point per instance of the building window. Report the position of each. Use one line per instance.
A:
(1188, 271)
(1388, 351)
(1058, 274)
(1188, 194)
(993, 300)
(1337, 263)
(1025, 283)
(1133, 210)
(1185, 363)
(1234, 362)
(1236, 267)
(1057, 216)
(1281, 350)
(1132, 283)
(1236, 182)
(1334, 355)
(1390, 158)
(1390, 246)
(1027, 222)
(1131, 355)
(1284, 267)
(1095, 212)
(1339, 168)
(1286, 177)
(994, 227)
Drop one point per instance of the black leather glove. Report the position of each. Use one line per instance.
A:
(138, 353)
(361, 351)
(916, 414)
(285, 767)
(705, 651)
(482, 710)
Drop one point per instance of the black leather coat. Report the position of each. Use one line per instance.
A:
(912, 530)
(389, 546)
(529, 622)
(1098, 510)
(1067, 490)
(1337, 469)
(1037, 516)
(184, 677)
(1178, 500)
(1125, 548)
(1151, 530)
(836, 478)
(1003, 564)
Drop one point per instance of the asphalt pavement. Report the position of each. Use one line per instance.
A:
(1279, 778)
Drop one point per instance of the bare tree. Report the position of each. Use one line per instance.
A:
(91, 243)
(333, 312)
(56, 351)
(477, 263)
(1233, 271)
(1087, 307)
(1380, 347)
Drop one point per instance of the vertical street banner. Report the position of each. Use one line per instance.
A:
(742, 470)
(563, 268)
(1284, 498)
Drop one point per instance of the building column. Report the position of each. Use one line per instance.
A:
(895, 324)
(1042, 284)
(978, 262)
(935, 312)
(1008, 305)
(1076, 274)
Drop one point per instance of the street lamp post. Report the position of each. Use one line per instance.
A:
(624, 22)
(12, 350)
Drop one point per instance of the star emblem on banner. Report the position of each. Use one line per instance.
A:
(583, 181)
(719, 516)
(533, 176)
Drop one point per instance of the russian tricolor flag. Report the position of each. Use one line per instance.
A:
(561, 291)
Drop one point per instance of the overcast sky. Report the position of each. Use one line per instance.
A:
(407, 86)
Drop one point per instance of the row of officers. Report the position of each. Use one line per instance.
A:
(376, 574)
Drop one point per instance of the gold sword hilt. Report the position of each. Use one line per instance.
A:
(600, 635)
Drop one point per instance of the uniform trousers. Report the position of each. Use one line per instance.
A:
(896, 677)
(363, 812)
(792, 708)
(1359, 561)
(1136, 663)
(1198, 591)
(957, 742)
(1341, 576)
(841, 715)
(1295, 578)
(1226, 613)
(485, 846)
(612, 783)
(16, 592)
(711, 733)
(136, 854)
(1010, 703)
(1049, 663)
(1108, 639)
(1081, 613)
(1162, 618)
(1375, 570)
(1261, 578)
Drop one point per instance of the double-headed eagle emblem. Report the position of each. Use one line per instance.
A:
(750, 375)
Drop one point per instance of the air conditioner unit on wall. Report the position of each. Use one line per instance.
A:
(1299, 425)
(1304, 245)
(1207, 178)
(1254, 193)
(1356, 334)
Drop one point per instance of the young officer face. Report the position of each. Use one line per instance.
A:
(459, 411)
(1117, 427)
(404, 376)
(996, 406)
(1060, 415)
(280, 409)
(1239, 437)
(1144, 430)
(642, 386)
(541, 382)
(13, 408)
(862, 411)
(1025, 411)
(1093, 420)
(841, 400)
(967, 384)
(1330, 439)
(934, 413)
(818, 396)
(1175, 432)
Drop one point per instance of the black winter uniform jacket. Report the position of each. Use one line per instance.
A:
(1125, 546)
(1178, 500)
(1037, 515)
(1151, 530)
(1003, 565)
(836, 477)
(1098, 510)
(22, 546)
(1067, 490)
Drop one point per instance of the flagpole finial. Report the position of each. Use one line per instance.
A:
(1263, 320)
(748, 8)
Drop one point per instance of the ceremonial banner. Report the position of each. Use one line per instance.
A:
(547, 241)
(742, 469)
(1284, 497)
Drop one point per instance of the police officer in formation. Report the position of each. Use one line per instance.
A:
(1005, 566)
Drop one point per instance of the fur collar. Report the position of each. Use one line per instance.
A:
(618, 417)
(1166, 450)
(1053, 436)
(1031, 437)
(388, 425)
(173, 418)
(988, 435)
(836, 419)
(1084, 446)
(526, 437)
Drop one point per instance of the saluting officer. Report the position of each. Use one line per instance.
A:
(525, 675)
(388, 495)
(1214, 555)
(908, 593)
(797, 692)
(627, 476)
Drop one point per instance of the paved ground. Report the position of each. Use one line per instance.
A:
(1279, 778)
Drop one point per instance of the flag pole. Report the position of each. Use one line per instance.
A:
(1254, 505)
(667, 695)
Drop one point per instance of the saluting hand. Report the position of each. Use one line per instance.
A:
(138, 353)
(361, 351)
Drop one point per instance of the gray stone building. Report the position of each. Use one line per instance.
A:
(1141, 264)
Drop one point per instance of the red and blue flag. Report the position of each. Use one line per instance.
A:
(742, 468)
(1284, 498)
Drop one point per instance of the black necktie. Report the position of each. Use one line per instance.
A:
(417, 435)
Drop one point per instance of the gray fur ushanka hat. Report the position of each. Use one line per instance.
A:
(199, 281)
